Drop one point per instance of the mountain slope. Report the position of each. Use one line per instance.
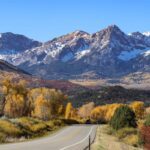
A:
(5, 66)
(13, 44)
(109, 53)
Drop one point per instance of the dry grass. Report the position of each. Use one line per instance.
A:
(147, 110)
(90, 83)
(26, 127)
(131, 140)
(2, 137)
(124, 132)
(137, 80)
(38, 127)
(9, 128)
(108, 142)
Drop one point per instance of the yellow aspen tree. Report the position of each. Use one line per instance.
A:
(42, 109)
(111, 108)
(74, 113)
(99, 113)
(55, 98)
(61, 110)
(14, 105)
(7, 85)
(138, 108)
(85, 110)
(68, 112)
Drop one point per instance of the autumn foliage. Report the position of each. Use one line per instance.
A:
(71, 113)
(138, 108)
(104, 113)
(145, 132)
(85, 110)
(43, 103)
(15, 99)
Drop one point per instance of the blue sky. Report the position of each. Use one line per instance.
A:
(46, 19)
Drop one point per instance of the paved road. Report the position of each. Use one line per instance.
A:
(70, 138)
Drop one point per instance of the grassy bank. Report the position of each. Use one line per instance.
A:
(20, 129)
(106, 139)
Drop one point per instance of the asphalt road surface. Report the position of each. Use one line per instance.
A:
(74, 137)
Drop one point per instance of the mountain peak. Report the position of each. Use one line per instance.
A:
(12, 41)
(137, 35)
(113, 26)
(113, 29)
(80, 33)
(146, 33)
(110, 35)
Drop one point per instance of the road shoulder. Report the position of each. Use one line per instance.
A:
(104, 141)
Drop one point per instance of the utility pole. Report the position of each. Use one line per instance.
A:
(89, 143)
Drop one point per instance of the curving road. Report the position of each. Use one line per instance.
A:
(74, 137)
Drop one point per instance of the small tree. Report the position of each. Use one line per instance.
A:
(42, 109)
(70, 111)
(16, 103)
(138, 108)
(99, 113)
(111, 108)
(85, 110)
(53, 98)
(123, 117)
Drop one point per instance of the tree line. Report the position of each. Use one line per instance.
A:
(45, 103)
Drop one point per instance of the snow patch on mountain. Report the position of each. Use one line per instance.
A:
(67, 57)
(146, 33)
(128, 55)
(80, 54)
(147, 53)
(6, 55)
(56, 49)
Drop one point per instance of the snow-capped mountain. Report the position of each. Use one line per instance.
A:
(65, 48)
(12, 44)
(107, 53)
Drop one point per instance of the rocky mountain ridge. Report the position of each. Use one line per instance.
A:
(109, 53)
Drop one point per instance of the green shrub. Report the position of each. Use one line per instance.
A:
(147, 121)
(123, 117)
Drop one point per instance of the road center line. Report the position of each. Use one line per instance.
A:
(80, 141)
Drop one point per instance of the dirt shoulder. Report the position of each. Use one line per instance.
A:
(104, 141)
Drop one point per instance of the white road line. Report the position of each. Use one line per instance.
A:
(43, 139)
(61, 132)
(78, 142)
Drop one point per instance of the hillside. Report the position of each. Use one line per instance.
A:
(78, 94)
(108, 95)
